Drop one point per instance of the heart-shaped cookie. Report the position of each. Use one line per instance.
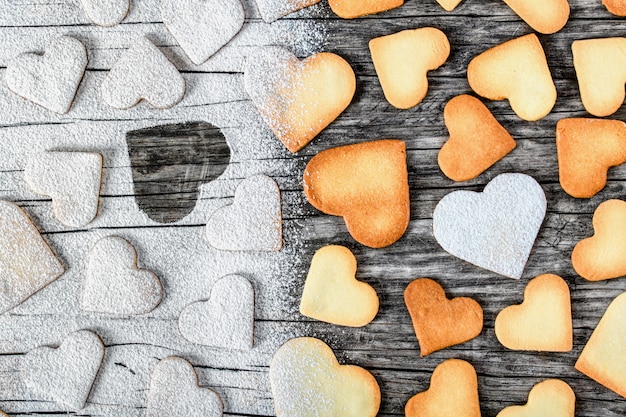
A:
(174, 392)
(543, 322)
(67, 373)
(402, 61)
(350, 9)
(202, 27)
(449, 5)
(226, 320)
(367, 184)
(616, 7)
(307, 381)
(549, 398)
(272, 10)
(332, 292)
(453, 392)
(586, 149)
(516, 70)
(113, 282)
(477, 140)
(143, 73)
(298, 99)
(438, 321)
(72, 179)
(494, 230)
(600, 66)
(51, 80)
(545, 16)
(106, 12)
(253, 222)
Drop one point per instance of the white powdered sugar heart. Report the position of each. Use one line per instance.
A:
(113, 282)
(202, 27)
(67, 373)
(106, 12)
(253, 222)
(143, 73)
(272, 10)
(49, 80)
(496, 229)
(71, 179)
(226, 320)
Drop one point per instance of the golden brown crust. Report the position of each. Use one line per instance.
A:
(617, 7)
(449, 5)
(551, 397)
(350, 9)
(545, 16)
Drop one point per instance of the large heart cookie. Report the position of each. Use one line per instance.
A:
(332, 293)
(545, 16)
(617, 7)
(453, 392)
(438, 321)
(516, 70)
(350, 9)
(202, 27)
(67, 373)
(106, 12)
(272, 10)
(550, 398)
(50, 80)
(298, 99)
(308, 381)
(226, 320)
(494, 230)
(367, 184)
(477, 140)
(543, 322)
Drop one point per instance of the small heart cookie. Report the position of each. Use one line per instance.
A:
(298, 99)
(51, 80)
(477, 140)
(367, 184)
(449, 5)
(106, 12)
(332, 292)
(402, 61)
(307, 380)
(616, 7)
(549, 398)
(545, 16)
(350, 9)
(516, 70)
(438, 321)
(453, 392)
(272, 10)
(543, 322)
(600, 66)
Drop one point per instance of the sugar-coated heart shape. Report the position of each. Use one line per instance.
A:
(253, 222)
(113, 282)
(51, 80)
(545, 16)
(543, 322)
(143, 73)
(202, 27)
(298, 99)
(453, 392)
(402, 61)
(449, 5)
(106, 12)
(438, 321)
(67, 373)
(350, 9)
(477, 140)
(494, 230)
(333, 294)
(367, 184)
(307, 380)
(174, 392)
(549, 398)
(71, 179)
(616, 7)
(226, 320)
(272, 10)
(586, 149)
(516, 70)
(600, 66)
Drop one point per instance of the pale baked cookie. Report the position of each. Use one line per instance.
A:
(366, 184)
(332, 292)
(106, 12)
(272, 10)
(350, 9)
(549, 398)
(545, 16)
(402, 61)
(449, 5)
(438, 321)
(307, 380)
(477, 140)
(543, 322)
(516, 70)
(616, 7)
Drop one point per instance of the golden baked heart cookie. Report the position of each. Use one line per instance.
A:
(543, 322)
(438, 321)
(477, 140)
(332, 293)
(453, 392)
(449, 5)
(298, 99)
(516, 70)
(549, 398)
(545, 16)
(350, 9)
(616, 7)
(402, 61)
(367, 184)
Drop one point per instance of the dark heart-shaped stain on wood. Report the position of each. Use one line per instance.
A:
(170, 162)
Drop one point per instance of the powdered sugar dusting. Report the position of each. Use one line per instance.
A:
(272, 10)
